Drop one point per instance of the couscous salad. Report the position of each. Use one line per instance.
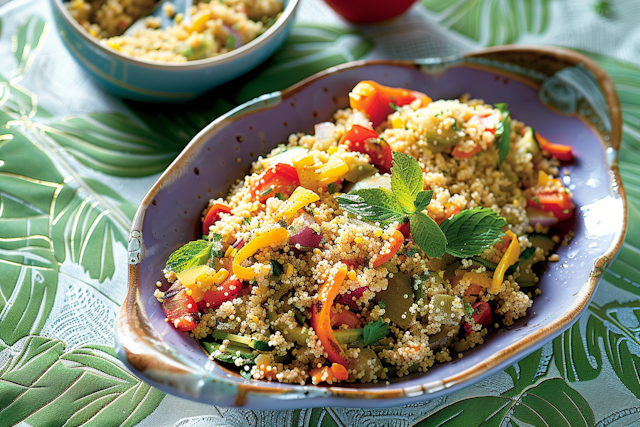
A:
(395, 238)
(215, 27)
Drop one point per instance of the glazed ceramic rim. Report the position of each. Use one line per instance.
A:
(279, 26)
(133, 330)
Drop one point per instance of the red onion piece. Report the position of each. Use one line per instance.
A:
(347, 299)
(306, 238)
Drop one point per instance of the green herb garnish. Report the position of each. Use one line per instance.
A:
(246, 221)
(503, 131)
(231, 42)
(466, 234)
(472, 231)
(246, 374)
(276, 268)
(190, 255)
(375, 331)
(393, 106)
(331, 188)
(280, 196)
(468, 309)
(266, 191)
(381, 304)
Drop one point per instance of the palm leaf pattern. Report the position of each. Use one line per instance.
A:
(492, 22)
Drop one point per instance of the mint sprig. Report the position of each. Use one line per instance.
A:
(428, 235)
(472, 231)
(467, 234)
(375, 331)
(373, 204)
(190, 255)
(503, 131)
(406, 180)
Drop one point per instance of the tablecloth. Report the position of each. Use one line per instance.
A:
(75, 162)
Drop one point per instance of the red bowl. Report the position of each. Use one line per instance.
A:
(369, 11)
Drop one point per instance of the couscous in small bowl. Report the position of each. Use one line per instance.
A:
(142, 79)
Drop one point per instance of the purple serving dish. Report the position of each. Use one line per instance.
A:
(566, 96)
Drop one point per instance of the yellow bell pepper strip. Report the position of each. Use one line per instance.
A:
(300, 198)
(304, 159)
(198, 280)
(509, 258)
(273, 236)
(321, 317)
(199, 23)
(332, 171)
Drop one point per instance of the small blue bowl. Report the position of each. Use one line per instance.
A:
(149, 81)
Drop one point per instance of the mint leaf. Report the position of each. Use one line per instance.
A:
(423, 199)
(190, 255)
(503, 131)
(375, 331)
(472, 231)
(428, 235)
(373, 204)
(406, 180)
(331, 188)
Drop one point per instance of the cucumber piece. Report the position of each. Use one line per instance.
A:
(248, 341)
(293, 335)
(530, 142)
(527, 255)
(359, 172)
(392, 370)
(542, 241)
(283, 156)
(396, 305)
(245, 356)
(441, 339)
(349, 336)
(367, 362)
(527, 284)
(445, 304)
(376, 181)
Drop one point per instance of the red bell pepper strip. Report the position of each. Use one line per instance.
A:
(375, 99)
(482, 315)
(396, 242)
(562, 152)
(279, 179)
(213, 216)
(366, 141)
(405, 229)
(554, 200)
(180, 308)
(320, 317)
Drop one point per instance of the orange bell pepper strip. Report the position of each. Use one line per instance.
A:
(396, 242)
(321, 317)
(268, 238)
(334, 373)
(509, 258)
(375, 99)
(562, 152)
